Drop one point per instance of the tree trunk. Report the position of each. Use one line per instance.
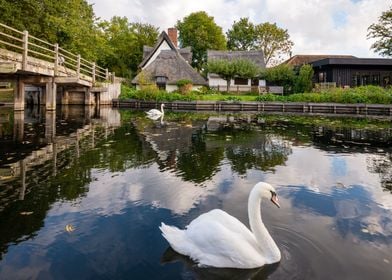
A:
(228, 84)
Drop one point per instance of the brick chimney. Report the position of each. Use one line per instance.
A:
(172, 32)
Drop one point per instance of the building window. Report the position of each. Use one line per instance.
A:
(376, 80)
(255, 82)
(322, 77)
(356, 80)
(161, 82)
(241, 81)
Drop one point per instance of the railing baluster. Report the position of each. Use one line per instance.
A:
(93, 72)
(56, 59)
(78, 66)
(25, 49)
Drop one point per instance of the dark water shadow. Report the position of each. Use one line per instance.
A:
(207, 273)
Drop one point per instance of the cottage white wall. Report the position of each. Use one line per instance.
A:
(164, 46)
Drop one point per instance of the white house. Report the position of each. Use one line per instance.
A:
(237, 84)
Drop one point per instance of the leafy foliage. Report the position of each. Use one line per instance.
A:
(281, 75)
(241, 36)
(363, 94)
(303, 82)
(272, 40)
(125, 43)
(382, 31)
(200, 32)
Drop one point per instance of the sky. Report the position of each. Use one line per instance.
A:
(315, 26)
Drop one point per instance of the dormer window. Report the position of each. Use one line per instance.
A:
(161, 82)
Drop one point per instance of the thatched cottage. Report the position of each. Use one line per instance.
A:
(166, 64)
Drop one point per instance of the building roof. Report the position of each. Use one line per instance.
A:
(148, 51)
(300, 59)
(170, 64)
(255, 56)
(353, 61)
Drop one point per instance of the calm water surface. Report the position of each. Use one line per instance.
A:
(83, 191)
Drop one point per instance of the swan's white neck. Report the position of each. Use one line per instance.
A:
(266, 244)
(162, 109)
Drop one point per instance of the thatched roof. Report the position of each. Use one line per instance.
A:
(173, 66)
(256, 56)
(148, 52)
(299, 60)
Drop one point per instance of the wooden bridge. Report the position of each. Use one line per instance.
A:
(57, 75)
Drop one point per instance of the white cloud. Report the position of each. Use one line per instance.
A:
(316, 27)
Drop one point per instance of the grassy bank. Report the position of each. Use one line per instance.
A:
(364, 94)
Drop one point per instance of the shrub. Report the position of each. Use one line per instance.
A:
(184, 85)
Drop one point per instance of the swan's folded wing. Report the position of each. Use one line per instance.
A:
(225, 242)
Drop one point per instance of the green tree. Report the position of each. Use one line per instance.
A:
(229, 69)
(241, 36)
(303, 82)
(273, 41)
(125, 42)
(281, 75)
(200, 32)
(382, 31)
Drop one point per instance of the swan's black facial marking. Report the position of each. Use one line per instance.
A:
(274, 199)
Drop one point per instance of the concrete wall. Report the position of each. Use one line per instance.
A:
(113, 92)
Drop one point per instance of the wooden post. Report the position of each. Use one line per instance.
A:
(93, 72)
(19, 95)
(51, 92)
(25, 49)
(107, 74)
(78, 66)
(56, 59)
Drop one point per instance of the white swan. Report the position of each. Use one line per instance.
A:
(156, 113)
(219, 240)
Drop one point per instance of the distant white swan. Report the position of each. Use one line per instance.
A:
(218, 239)
(154, 113)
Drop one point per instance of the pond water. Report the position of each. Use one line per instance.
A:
(83, 191)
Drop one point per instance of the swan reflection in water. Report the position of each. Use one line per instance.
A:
(207, 273)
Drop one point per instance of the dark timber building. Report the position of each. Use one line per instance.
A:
(348, 70)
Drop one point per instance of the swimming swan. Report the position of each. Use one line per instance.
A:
(218, 239)
(156, 113)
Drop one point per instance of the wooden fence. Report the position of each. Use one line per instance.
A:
(32, 47)
(267, 107)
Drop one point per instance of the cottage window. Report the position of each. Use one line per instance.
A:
(255, 82)
(161, 82)
(241, 81)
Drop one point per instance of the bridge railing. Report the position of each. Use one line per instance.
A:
(63, 60)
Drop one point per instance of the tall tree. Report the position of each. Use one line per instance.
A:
(273, 41)
(382, 31)
(200, 32)
(126, 41)
(229, 69)
(241, 36)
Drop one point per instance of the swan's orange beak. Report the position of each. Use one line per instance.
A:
(274, 200)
